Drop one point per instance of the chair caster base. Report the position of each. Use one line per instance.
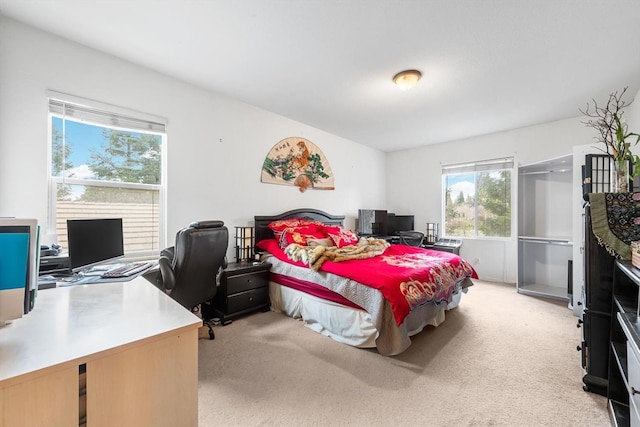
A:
(212, 335)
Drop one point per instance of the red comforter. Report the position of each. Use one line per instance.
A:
(407, 276)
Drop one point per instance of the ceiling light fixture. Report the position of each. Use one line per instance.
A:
(407, 79)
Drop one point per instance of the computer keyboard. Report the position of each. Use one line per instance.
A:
(128, 269)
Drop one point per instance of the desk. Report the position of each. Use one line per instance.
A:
(52, 280)
(139, 347)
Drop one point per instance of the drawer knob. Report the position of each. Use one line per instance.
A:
(250, 298)
(579, 348)
(634, 391)
(580, 321)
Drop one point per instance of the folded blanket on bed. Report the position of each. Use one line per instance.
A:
(315, 256)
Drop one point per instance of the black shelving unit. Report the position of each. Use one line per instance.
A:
(624, 358)
(596, 316)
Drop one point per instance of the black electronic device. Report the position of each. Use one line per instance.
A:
(46, 282)
(398, 223)
(54, 264)
(92, 241)
(448, 245)
(53, 250)
(372, 222)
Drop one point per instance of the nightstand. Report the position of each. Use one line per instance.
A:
(244, 287)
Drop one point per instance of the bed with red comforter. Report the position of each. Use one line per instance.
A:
(363, 292)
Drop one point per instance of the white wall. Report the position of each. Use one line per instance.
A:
(632, 115)
(415, 177)
(216, 145)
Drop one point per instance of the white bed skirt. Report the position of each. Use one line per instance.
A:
(345, 324)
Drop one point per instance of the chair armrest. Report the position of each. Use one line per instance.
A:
(168, 252)
(168, 277)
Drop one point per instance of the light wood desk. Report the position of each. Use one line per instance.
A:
(139, 346)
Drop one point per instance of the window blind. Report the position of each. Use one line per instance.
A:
(97, 116)
(481, 166)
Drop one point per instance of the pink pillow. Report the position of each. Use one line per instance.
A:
(299, 235)
(278, 227)
(340, 236)
(270, 245)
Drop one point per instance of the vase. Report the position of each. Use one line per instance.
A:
(619, 176)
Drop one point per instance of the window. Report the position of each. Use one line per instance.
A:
(107, 163)
(477, 199)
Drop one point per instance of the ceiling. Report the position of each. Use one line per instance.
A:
(487, 66)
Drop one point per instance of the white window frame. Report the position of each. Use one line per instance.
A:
(475, 167)
(135, 118)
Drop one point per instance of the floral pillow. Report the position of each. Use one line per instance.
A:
(340, 236)
(278, 227)
(299, 235)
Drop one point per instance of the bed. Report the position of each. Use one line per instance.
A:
(341, 298)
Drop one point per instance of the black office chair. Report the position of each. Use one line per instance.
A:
(189, 269)
(411, 238)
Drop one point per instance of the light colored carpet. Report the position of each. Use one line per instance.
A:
(500, 359)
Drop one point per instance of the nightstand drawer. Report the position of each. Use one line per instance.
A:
(247, 300)
(247, 281)
(243, 288)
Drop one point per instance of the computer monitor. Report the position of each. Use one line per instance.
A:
(92, 241)
(18, 267)
(396, 223)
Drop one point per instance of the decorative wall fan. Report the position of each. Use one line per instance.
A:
(299, 162)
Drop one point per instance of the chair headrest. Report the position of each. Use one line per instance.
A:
(206, 224)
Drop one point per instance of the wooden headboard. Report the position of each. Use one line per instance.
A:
(262, 222)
